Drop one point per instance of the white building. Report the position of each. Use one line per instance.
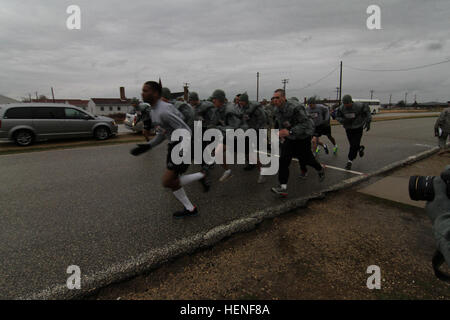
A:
(107, 106)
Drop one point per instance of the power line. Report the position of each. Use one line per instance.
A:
(321, 79)
(403, 69)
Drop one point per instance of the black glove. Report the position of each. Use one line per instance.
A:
(140, 149)
(367, 126)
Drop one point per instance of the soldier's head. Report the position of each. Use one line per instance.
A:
(279, 98)
(243, 100)
(218, 98)
(193, 99)
(236, 99)
(151, 92)
(165, 94)
(312, 102)
(347, 101)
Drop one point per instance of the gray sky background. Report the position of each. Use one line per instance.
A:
(222, 44)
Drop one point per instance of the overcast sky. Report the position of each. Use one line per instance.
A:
(222, 44)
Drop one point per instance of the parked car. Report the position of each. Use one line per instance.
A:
(25, 123)
(131, 123)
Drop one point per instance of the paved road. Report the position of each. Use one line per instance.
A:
(98, 206)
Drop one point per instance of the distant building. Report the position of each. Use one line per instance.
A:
(75, 102)
(107, 106)
(5, 100)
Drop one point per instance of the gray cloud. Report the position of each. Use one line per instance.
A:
(222, 44)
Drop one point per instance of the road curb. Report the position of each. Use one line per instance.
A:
(152, 259)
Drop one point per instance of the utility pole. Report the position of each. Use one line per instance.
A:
(371, 94)
(284, 82)
(340, 85)
(186, 91)
(53, 95)
(406, 95)
(390, 99)
(257, 86)
(36, 97)
(30, 96)
(337, 93)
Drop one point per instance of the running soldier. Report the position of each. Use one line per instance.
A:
(227, 117)
(296, 130)
(355, 117)
(165, 121)
(321, 117)
(253, 117)
(442, 127)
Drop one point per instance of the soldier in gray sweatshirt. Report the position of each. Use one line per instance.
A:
(321, 117)
(354, 117)
(165, 122)
(442, 127)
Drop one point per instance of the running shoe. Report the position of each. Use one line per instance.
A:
(321, 174)
(325, 147)
(280, 191)
(348, 166)
(361, 151)
(185, 213)
(225, 175)
(335, 150)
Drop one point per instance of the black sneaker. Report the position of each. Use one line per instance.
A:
(185, 213)
(325, 147)
(348, 166)
(321, 174)
(205, 181)
(361, 151)
(280, 191)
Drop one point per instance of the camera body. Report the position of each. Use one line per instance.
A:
(422, 188)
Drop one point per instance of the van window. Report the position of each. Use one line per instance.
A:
(48, 113)
(74, 114)
(18, 113)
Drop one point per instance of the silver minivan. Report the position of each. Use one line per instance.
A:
(25, 123)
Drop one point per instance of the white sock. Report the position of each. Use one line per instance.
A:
(184, 180)
(182, 197)
(284, 186)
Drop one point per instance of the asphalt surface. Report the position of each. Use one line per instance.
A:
(98, 206)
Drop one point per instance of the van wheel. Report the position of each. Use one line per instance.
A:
(24, 138)
(101, 133)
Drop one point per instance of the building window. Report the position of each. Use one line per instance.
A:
(110, 108)
(118, 108)
(102, 109)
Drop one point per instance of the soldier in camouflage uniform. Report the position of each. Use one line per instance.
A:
(227, 117)
(354, 117)
(296, 130)
(442, 127)
(253, 117)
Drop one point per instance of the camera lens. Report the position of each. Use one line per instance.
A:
(421, 188)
